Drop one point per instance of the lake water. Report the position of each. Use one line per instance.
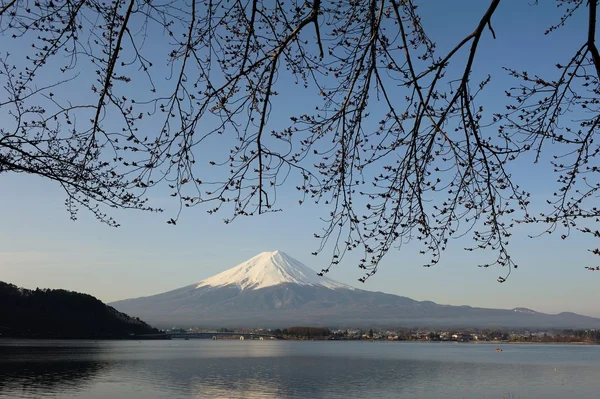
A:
(293, 369)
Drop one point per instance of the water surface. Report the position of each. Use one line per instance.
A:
(292, 369)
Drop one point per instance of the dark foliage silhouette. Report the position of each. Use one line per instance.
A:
(46, 313)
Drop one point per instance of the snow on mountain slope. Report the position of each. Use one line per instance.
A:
(268, 269)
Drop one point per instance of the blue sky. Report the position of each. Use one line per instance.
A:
(41, 247)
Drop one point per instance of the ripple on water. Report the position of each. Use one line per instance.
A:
(332, 370)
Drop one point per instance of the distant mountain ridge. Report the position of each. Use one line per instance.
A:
(273, 289)
(46, 313)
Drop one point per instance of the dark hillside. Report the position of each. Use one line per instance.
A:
(46, 313)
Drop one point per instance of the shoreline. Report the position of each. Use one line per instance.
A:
(491, 343)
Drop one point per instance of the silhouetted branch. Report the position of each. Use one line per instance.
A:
(396, 146)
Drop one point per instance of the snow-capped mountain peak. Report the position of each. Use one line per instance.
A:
(524, 310)
(267, 269)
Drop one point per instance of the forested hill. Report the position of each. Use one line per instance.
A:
(46, 313)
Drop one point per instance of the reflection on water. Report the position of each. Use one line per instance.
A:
(233, 369)
(302, 377)
(33, 371)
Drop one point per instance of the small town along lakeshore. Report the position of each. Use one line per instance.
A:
(483, 336)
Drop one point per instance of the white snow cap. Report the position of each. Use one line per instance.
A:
(267, 269)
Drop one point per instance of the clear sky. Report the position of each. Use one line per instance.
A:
(41, 247)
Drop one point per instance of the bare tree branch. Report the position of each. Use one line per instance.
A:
(396, 146)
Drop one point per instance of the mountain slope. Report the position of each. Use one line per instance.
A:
(268, 269)
(274, 290)
(62, 314)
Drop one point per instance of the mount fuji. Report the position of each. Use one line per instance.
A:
(273, 289)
